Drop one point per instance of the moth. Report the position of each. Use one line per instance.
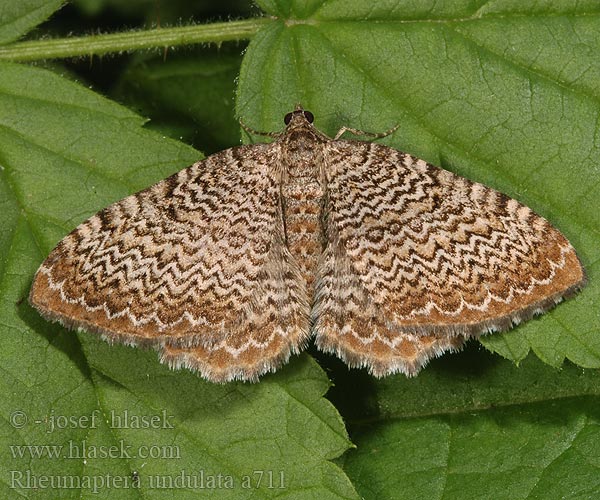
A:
(233, 264)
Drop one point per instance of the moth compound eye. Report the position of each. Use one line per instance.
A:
(288, 118)
(309, 116)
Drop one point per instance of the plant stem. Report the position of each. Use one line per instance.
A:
(132, 40)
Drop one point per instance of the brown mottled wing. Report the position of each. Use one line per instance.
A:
(194, 266)
(419, 259)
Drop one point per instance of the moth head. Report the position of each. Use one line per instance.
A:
(298, 116)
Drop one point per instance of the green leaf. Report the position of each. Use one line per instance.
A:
(66, 152)
(471, 95)
(540, 451)
(503, 93)
(17, 18)
(477, 430)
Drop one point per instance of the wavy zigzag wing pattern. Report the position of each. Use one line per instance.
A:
(194, 266)
(229, 266)
(420, 259)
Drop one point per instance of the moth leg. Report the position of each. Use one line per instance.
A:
(374, 135)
